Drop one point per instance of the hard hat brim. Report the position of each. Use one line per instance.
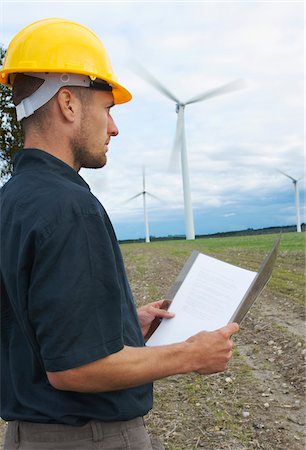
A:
(121, 94)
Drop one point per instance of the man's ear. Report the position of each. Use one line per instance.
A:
(69, 105)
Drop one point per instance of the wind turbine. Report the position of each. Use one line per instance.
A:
(180, 137)
(297, 199)
(144, 193)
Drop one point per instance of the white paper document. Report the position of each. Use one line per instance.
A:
(210, 293)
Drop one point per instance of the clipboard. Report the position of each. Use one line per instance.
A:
(257, 285)
(253, 292)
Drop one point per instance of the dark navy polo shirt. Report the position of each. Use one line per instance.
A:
(66, 300)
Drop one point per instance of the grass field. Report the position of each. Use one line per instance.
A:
(259, 401)
(262, 242)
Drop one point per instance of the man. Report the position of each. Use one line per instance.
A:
(75, 371)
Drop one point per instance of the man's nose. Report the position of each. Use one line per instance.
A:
(112, 128)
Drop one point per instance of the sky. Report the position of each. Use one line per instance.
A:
(236, 143)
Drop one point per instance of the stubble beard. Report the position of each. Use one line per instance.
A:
(82, 151)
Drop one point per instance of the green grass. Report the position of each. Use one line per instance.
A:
(289, 242)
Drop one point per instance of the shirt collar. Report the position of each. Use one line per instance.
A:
(39, 160)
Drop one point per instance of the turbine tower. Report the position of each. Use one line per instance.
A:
(297, 199)
(144, 194)
(180, 137)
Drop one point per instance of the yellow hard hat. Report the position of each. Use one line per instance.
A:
(62, 46)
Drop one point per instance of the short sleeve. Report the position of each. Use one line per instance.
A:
(74, 302)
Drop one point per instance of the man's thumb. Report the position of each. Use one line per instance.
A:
(230, 328)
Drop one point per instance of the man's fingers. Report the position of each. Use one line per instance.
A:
(162, 304)
(230, 329)
(157, 304)
(162, 313)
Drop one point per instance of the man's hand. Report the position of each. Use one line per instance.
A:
(212, 350)
(147, 313)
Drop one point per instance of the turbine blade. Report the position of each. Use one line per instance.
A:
(143, 73)
(154, 196)
(229, 87)
(132, 198)
(174, 159)
(143, 178)
(288, 176)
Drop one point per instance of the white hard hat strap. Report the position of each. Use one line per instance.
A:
(52, 84)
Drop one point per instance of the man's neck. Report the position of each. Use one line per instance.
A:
(56, 147)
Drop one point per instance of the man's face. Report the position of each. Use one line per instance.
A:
(90, 143)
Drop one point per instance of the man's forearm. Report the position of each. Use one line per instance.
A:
(127, 368)
(204, 352)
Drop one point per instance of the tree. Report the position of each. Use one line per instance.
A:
(11, 138)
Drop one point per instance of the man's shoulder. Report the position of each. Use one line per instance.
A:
(66, 198)
(48, 199)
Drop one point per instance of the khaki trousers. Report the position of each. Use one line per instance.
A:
(130, 435)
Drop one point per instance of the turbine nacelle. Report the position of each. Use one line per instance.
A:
(178, 106)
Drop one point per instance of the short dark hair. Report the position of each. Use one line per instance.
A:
(23, 87)
(26, 85)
